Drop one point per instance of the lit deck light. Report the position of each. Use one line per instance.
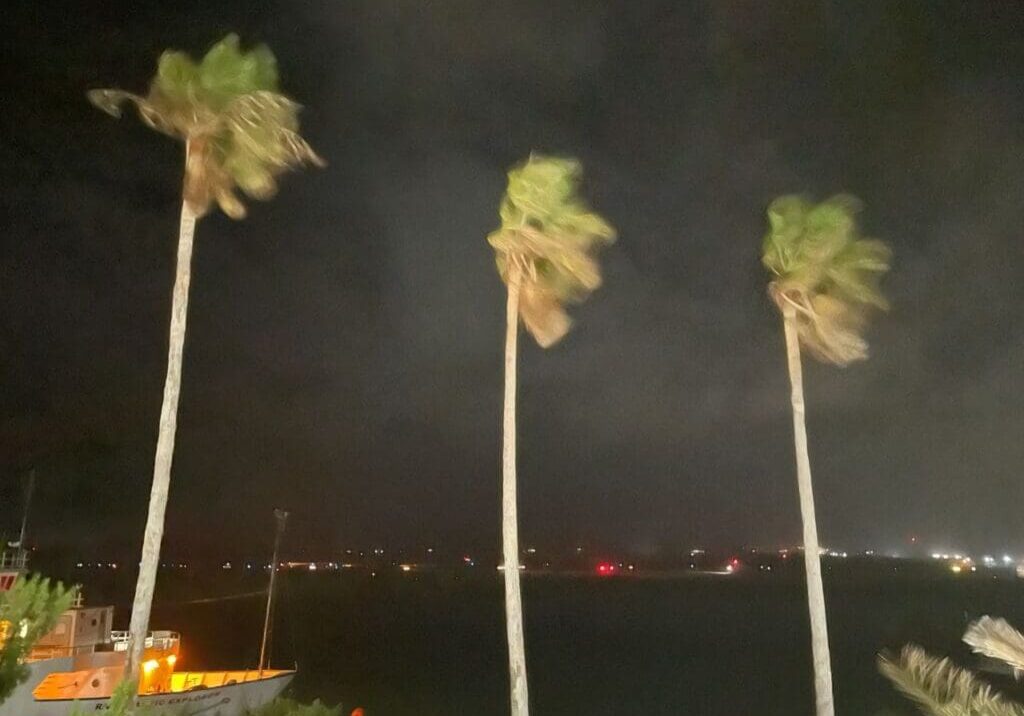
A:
(148, 666)
(172, 660)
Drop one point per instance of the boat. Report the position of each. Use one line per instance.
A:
(75, 668)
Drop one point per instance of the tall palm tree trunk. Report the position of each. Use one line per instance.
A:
(146, 583)
(509, 520)
(812, 553)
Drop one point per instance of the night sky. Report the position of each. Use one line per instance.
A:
(344, 348)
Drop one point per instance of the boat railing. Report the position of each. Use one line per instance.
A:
(41, 653)
(155, 640)
(190, 680)
(13, 559)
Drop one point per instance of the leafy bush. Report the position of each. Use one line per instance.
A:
(28, 611)
(121, 704)
(287, 707)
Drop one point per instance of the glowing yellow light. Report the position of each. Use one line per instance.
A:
(148, 666)
(172, 659)
(956, 568)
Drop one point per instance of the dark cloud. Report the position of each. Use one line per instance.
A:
(344, 345)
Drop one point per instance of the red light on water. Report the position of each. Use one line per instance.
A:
(605, 568)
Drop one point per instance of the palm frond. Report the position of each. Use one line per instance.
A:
(112, 100)
(550, 236)
(241, 133)
(821, 265)
(828, 328)
(942, 689)
(543, 315)
(995, 638)
(260, 141)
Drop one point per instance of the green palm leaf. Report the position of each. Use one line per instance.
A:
(824, 270)
(241, 133)
(550, 237)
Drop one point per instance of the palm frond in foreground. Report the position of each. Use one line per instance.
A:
(995, 638)
(940, 688)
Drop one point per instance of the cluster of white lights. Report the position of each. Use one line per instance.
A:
(988, 560)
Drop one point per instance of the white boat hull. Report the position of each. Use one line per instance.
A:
(231, 700)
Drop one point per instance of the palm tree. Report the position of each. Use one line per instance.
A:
(544, 251)
(824, 278)
(239, 133)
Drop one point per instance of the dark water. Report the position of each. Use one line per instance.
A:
(406, 645)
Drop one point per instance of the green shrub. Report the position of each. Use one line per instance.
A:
(121, 704)
(287, 707)
(28, 611)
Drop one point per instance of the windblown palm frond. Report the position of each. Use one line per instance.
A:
(995, 638)
(239, 130)
(826, 272)
(549, 236)
(942, 689)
